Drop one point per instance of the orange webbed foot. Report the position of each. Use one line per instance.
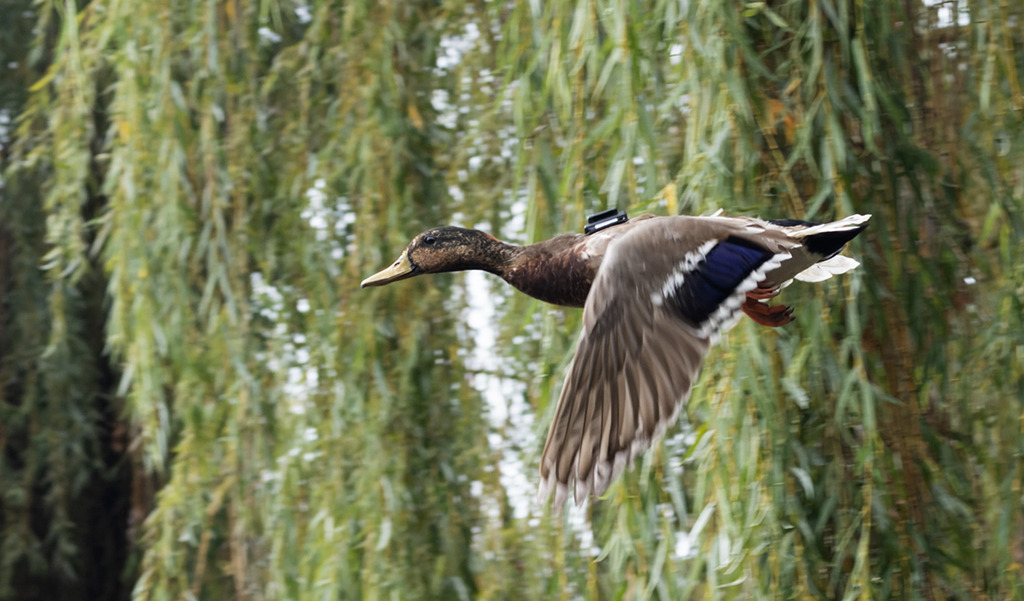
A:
(763, 293)
(772, 316)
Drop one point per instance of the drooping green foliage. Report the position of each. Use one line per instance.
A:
(192, 192)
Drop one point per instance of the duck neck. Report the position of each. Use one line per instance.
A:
(501, 258)
(492, 255)
(549, 271)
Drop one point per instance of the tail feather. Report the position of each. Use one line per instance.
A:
(844, 224)
(827, 239)
(819, 272)
(817, 258)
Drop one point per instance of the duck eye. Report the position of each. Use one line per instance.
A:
(429, 240)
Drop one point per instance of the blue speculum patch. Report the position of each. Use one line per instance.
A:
(716, 277)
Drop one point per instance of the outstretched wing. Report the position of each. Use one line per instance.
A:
(663, 294)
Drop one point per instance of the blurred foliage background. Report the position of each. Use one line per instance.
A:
(199, 403)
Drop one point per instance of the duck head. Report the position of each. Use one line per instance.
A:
(443, 249)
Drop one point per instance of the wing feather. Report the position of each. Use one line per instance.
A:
(623, 386)
(657, 303)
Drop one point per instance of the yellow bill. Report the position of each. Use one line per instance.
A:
(400, 269)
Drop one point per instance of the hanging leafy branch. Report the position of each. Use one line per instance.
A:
(192, 193)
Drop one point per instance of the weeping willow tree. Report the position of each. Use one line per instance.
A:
(198, 402)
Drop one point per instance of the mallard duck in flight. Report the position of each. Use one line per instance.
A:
(656, 293)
